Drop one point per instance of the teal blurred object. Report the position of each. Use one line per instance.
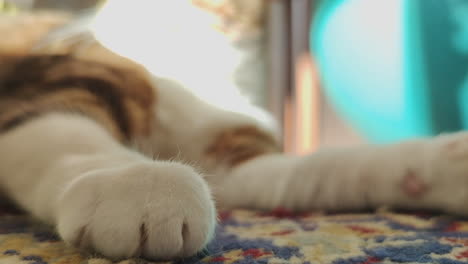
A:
(395, 69)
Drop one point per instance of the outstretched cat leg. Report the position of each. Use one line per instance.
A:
(69, 171)
(418, 174)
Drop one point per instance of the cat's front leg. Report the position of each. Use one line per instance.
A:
(68, 171)
(417, 174)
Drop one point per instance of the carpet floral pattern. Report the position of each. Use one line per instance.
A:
(273, 238)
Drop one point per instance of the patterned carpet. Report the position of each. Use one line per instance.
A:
(276, 237)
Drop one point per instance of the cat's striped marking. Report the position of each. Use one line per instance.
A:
(237, 145)
(119, 99)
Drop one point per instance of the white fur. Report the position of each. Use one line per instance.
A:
(356, 178)
(68, 171)
(182, 117)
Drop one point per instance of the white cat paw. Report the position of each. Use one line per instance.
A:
(448, 179)
(151, 210)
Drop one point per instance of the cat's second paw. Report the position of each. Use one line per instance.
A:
(157, 211)
(447, 168)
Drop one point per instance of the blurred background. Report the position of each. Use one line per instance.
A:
(381, 71)
(332, 72)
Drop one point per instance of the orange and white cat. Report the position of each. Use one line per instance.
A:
(127, 163)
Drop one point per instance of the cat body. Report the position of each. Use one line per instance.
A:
(128, 164)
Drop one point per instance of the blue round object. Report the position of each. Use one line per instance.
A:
(394, 69)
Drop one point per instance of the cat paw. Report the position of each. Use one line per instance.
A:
(448, 172)
(150, 210)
